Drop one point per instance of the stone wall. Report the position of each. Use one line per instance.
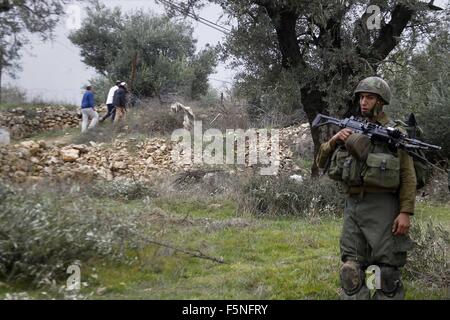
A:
(22, 122)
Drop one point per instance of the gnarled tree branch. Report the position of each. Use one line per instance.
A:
(390, 33)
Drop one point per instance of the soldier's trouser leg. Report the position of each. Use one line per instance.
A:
(354, 254)
(367, 233)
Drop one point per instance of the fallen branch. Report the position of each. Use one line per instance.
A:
(196, 253)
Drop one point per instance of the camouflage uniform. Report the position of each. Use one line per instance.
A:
(369, 214)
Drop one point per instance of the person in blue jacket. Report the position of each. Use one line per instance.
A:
(88, 110)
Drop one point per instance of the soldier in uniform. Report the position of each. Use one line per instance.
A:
(380, 187)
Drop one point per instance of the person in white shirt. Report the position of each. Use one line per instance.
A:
(109, 103)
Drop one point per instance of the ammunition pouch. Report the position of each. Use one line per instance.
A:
(380, 170)
(351, 174)
(337, 163)
(345, 168)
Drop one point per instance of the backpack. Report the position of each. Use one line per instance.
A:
(423, 169)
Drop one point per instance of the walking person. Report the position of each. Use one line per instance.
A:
(120, 102)
(87, 110)
(110, 102)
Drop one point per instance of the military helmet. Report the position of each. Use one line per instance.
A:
(375, 85)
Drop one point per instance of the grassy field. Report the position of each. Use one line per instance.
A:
(264, 258)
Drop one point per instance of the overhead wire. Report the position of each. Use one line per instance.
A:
(199, 19)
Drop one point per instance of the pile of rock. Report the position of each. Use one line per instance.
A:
(22, 123)
(128, 158)
(296, 140)
(32, 161)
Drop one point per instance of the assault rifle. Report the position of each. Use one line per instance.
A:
(392, 136)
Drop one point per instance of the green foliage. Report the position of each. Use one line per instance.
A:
(99, 38)
(310, 55)
(284, 196)
(420, 85)
(203, 65)
(19, 18)
(162, 50)
(41, 234)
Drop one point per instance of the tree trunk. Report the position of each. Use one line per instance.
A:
(285, 23)
(312, 100)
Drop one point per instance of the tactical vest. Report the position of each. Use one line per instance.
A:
(381, 169)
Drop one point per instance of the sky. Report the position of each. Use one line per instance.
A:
(53, 70)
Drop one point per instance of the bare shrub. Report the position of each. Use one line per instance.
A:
(429, 261)
(283, 196)
(208, 182)
(438, 188)
(225, 117)
(123, 189)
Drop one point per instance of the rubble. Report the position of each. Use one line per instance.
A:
(128, 158)
(31, 159)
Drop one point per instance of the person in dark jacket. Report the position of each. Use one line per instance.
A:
(120, 102)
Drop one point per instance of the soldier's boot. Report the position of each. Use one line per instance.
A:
(391, 285)
(353, 282)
